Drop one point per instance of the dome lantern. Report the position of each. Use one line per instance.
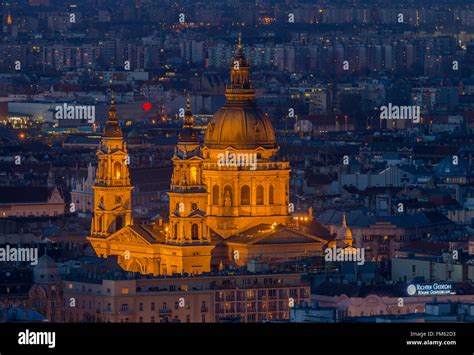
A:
(239, 123)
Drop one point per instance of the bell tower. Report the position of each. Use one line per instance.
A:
(112, 188)
(188, 195)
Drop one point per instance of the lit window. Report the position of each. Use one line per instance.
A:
(117, 171)
(193, 175)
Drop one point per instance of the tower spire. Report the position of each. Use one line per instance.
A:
(112, 110)
(188, 102)
(112, 128)
(188, 115)
(187, 133)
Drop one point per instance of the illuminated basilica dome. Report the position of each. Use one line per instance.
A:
(239, 123)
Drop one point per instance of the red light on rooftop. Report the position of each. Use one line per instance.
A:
(147, 106)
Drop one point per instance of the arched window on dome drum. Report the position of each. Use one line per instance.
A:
(270, 195)
(175, 236)
(215, 195)
(245, 195)
(194, 232)
(259, 195)
(117, 170)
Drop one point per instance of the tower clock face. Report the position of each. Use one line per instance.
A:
(118, 200)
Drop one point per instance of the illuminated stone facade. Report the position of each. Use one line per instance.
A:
(229, 197)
